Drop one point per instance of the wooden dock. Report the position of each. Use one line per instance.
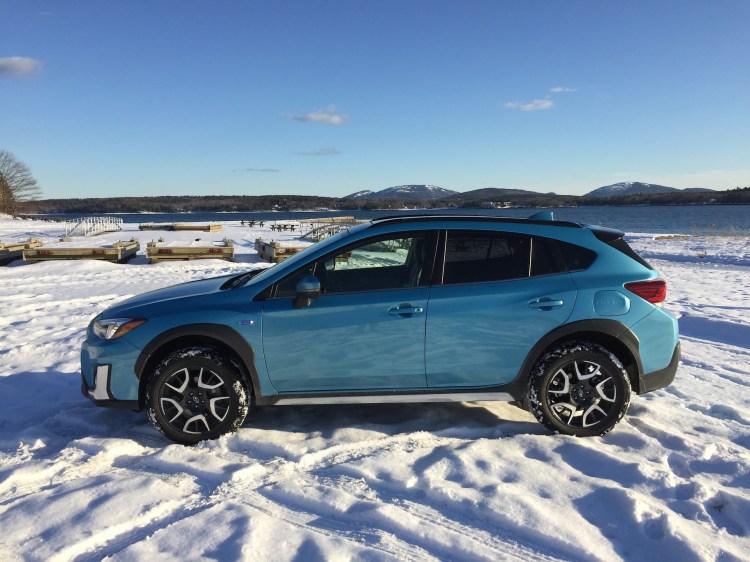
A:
(275, 252)
(158, 251)
(180, 226)
(119, 252)
(14, 251)
(317, 229)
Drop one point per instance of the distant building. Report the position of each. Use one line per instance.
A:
(496, 205)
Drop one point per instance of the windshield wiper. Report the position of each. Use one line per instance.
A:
(240, 280)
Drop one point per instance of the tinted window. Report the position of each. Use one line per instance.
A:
(544, 258)
(576, 258)
(475, 257)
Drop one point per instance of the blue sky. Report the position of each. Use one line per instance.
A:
(110, 98)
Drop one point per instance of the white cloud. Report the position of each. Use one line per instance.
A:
(261, 170)
(562, 90)
(327, 115)
(18, 66)
(330, 151)
(535, 105)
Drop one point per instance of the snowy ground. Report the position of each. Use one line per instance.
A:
(417, 482)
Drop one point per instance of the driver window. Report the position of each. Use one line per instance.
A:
(390, 262)
(393, 262)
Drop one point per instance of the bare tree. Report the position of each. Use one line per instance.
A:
(17, 185)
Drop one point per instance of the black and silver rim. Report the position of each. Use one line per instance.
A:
(581, 394)
(195, 400)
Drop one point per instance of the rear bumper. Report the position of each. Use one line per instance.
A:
(662, 378)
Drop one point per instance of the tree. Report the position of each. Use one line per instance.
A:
(17, 185)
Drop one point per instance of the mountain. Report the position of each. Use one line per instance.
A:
(406, 192)
(365, 194)
(637, 188)
(495, 194)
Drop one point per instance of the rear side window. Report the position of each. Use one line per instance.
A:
(476, 257)
(576, 257)
(480, 256)
(545, 259)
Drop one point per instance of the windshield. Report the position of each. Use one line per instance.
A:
(302, 256)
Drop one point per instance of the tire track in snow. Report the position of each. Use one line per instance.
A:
(248, 485)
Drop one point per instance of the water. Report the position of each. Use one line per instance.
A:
(679, 219)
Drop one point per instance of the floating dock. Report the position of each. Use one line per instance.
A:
(11, 252)
(276, 252)
(119, 252)
(160, 251)
(179, 226)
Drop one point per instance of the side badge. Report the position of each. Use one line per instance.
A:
(246, 322)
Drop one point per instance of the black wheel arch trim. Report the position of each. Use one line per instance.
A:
(591, 330)
(206, 334)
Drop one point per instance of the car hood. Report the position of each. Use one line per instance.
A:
(181, 291)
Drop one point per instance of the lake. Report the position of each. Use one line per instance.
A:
(681, 219)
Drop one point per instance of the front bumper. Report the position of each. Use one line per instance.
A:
(107, 373)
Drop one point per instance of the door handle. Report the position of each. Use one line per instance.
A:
(546, 303)
(405, 310)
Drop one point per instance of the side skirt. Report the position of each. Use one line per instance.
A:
(386, 398)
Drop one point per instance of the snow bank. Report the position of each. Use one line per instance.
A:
(414, 482)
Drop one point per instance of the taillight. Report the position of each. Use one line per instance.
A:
(653, 291)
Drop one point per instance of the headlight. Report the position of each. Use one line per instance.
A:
(112, 328)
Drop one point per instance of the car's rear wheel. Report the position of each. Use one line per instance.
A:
(195, 394)
(580, 389)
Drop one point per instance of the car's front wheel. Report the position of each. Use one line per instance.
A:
(195, 394)
(579, 388)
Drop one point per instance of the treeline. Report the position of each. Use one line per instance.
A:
(248, 203)
(181, 204)
(737, 196)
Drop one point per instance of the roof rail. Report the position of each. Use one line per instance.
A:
(474, 218)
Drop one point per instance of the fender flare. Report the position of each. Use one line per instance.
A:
(220, 334)
(590, 330)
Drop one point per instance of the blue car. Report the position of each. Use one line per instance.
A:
(560, 318)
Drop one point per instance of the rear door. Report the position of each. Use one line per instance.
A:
(497, 295)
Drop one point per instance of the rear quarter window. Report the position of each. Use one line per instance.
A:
(577, 258)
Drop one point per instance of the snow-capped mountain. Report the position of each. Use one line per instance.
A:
(413, 192)
(636, 188)
(364, 194)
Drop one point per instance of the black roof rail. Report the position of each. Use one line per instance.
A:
(472, 218)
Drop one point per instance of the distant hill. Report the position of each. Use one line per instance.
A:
(405, 192)
(495, 194)
(626, 188)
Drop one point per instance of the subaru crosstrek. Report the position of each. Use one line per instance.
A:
(561, 318)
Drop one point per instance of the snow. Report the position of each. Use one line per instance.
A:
(380, 482)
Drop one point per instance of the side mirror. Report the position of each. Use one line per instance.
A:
(308, 289)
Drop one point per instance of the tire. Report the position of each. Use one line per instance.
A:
(579, 388)
(196, 394)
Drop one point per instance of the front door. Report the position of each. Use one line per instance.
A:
(365, 332)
